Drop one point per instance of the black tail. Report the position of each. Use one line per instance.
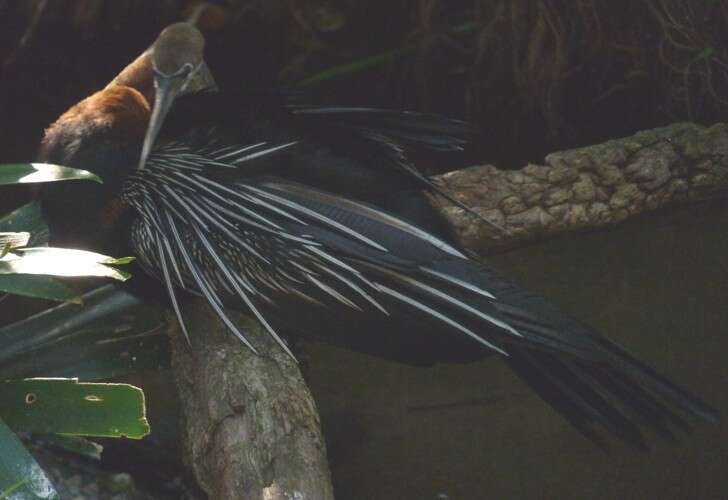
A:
(588, 379)
(621, 399)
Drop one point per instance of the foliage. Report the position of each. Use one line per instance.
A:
(30, 271)
(71, 408)
(30, 173)
(66, 340)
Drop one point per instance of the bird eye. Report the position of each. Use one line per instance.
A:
(184, 71)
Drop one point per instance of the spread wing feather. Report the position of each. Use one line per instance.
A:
(259, 238)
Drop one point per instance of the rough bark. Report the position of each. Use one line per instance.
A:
(251, 429)
(589, 187)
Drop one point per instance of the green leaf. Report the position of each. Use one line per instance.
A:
(373, 61)
(13, 240)
(38, 287)
(13, 487)
(27, 218)
(355, 66)
(20, 475)
(24, 173)
(121, 261)
(94, 354)
(67, 406)
(113, 334)
(466, 27)
(74, 444)
(62, 262)
(704, 54)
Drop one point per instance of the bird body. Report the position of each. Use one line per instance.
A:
(278, 199)
(316, 220)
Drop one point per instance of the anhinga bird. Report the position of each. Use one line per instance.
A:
(315, 219)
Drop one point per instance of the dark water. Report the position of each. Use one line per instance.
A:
(658, 285)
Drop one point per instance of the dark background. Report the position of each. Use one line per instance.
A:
(534, 76)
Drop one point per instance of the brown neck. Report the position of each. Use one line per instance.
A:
(138, 75)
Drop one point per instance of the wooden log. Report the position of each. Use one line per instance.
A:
(589, 187)
(250, 426)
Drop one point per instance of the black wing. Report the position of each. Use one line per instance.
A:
(269, 241)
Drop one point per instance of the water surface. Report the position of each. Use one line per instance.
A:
(657, 285)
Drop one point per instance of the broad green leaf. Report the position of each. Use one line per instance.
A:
(105, 305)
(111, 335)
(37, 286)
(67, 406)
(62, 262)
(24, 173)
(94, 354)
(20, 475)
(13, 240)
(27, 218)
(122, 261)
(12, 488)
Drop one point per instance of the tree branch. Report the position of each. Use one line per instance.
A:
(589, 187)
(251, 429)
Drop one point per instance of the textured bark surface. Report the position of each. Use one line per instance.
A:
(251, 428)
(591, 186)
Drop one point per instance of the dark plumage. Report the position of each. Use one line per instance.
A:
(317, 221)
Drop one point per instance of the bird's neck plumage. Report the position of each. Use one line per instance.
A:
(138, 75)
(103, 134)
(118, 112)
(115, 117)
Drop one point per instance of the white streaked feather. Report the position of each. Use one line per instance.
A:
(214, 220)
(317, 216)
(182, 200)
(234, 283)
(373, 213)
(332, 292)
(436, 314)
(354, 287)
(456, 281)
(459, 303)
(170, 287)
(234, 152)
(242, 196)
(205, 288)
(153, 218)
(341, 264)
(272, 227)
(264, 152)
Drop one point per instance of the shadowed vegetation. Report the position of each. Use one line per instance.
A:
(534, 76)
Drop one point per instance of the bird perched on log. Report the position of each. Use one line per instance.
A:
(316, 220)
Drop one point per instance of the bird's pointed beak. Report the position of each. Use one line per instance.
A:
(165, 91)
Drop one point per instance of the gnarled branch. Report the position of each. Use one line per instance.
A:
(589, 187)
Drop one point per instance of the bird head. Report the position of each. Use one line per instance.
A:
(179, 68)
